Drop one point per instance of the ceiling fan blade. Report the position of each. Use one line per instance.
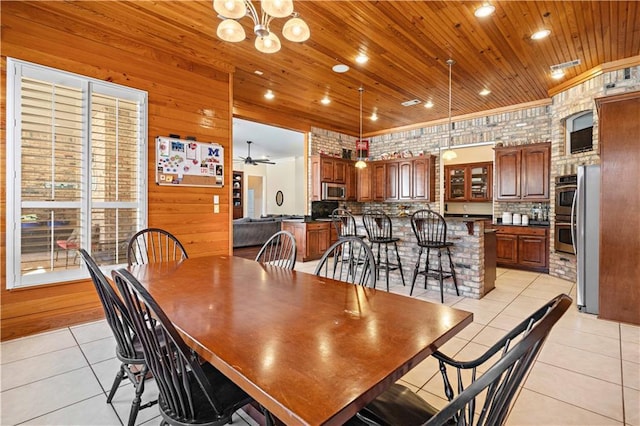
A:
(264, 161)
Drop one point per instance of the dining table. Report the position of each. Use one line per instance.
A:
(309, 349)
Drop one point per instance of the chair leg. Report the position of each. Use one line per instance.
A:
(440, 276)
(427, 267)
(135, 404)
(116, 383)
(453, 272)
(395, 246)
(415, 272)
(386, 269)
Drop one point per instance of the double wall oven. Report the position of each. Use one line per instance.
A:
(565, 191)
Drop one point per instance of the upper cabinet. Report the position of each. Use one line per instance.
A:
(468, 182)
(522, 172)
(407, 179)
(332, 170)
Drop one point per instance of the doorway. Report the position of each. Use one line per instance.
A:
(255, 204)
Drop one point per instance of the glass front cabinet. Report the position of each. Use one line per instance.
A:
(468, 182)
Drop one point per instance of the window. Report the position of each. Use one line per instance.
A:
(76, 172)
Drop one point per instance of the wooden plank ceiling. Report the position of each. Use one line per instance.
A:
(407, 42)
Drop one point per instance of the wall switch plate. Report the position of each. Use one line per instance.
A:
(216, 199)
(216, 208)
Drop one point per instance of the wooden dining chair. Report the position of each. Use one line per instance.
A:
(154, 245)
(191, 391)
(279, 250)
(493, 390)
(349, 259)
(128, 348)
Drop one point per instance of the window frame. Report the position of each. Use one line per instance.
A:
(16, 69)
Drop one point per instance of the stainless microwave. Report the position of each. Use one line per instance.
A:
(333, 191)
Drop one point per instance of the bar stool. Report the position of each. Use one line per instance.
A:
(379, 231)
(430, 229)
(345, 223)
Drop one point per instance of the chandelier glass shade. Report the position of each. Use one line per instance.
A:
(295, 29)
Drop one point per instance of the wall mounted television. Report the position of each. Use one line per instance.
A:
(581, 140)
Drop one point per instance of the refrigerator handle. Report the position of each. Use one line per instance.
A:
(574, 219)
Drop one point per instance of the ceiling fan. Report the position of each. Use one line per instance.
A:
(251, 161)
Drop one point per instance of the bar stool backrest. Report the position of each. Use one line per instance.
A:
(344, 223)
(378, 226)
(429, 227)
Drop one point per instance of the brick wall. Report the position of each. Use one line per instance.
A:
(519, 127)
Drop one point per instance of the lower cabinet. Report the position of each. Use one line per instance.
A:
(312, 238)
(522, 247)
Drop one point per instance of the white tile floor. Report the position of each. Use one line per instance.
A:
(588, 373)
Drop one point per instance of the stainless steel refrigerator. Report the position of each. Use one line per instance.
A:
(586, 237)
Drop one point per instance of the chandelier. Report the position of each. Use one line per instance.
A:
(295, 29)
(449, 154)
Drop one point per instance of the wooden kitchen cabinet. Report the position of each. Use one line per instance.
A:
(312, 238)
(391, 181)
(522, 172)
(468, 182)
(332, 170)
(522, 247)
(364, 188)
(379, 178)
(423, 180)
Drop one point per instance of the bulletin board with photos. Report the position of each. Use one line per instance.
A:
(182, 162)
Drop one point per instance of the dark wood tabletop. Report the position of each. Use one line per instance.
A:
(309, 349)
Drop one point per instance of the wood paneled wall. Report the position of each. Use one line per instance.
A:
(188, 95)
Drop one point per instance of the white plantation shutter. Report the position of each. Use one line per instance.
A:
(76, 172)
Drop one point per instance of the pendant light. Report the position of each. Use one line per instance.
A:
(360, 164)
(449, 154)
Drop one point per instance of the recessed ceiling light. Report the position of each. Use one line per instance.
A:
(362, 58)
(485, 10)
(374, 117)
(557, 74)
(428, 104)
(485, 92)
(258, 72)
(269, 95)
(325, 101)
(340, 68)
(539, 35)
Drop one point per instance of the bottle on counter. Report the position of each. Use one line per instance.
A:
(525, 220)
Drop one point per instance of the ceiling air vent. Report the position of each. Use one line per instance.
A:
(411, 102)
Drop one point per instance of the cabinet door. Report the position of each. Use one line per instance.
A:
(379, 181)
(351, 181)
(391, 181)
(339, 171)
(365, 183)
(316, 181)
(317, 241)
(405, 180)
(423, 178)
(480, 182)
(535, 172)
(508, 173)
(326, 170)
(532, 251)
(455, 183)
(506, 248)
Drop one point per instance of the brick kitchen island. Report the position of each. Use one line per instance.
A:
(473, 255)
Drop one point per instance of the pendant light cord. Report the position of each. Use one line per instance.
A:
(361, 90)
(450, 62)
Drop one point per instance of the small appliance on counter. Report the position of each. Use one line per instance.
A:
(507, 218)
(517, 219)
(525, 220)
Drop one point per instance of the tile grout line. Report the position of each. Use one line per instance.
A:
(95, 376)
